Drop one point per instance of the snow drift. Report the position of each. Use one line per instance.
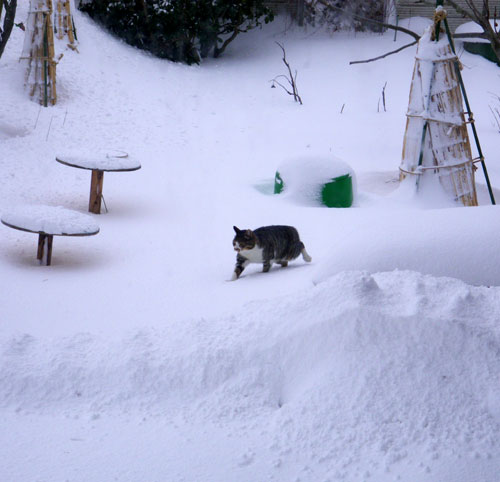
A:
(356, 372)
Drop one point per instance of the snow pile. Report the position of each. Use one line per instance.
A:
(304, 177)
(55, 220)
(458, 243)
(359, 375)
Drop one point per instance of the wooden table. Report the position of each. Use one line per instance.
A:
(47, 222)
(99, 164)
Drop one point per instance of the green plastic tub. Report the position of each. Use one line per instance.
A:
(338, 192)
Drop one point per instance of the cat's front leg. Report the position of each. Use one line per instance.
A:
(241, 264)
(266, 266)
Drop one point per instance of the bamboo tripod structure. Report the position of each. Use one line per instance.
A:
(39, 53)
(436, 138)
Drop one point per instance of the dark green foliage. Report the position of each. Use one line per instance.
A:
(8, 21)
(179, 30)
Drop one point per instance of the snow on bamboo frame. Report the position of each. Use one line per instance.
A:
(38, 52)
(436, 141)
(63, 22)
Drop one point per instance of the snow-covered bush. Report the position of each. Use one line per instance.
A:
(179, 30)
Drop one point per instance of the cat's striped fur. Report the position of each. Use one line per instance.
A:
(267, 245)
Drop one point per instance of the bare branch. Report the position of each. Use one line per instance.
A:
(291, 78)
(384, 55)
(471, 35)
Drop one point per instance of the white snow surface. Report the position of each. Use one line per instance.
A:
(55, 220)
(136, 360)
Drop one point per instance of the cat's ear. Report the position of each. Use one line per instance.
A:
(249, 232)
(236, 230)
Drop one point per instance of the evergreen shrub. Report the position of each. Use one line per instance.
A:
(179, 30)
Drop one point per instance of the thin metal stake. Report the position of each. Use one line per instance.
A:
(469, 114)
(104, 201)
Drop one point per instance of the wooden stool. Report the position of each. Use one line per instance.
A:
(47, 222)
(98, 164)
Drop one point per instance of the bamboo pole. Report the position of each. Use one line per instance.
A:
(63, 20)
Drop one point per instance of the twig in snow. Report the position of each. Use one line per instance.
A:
(383, 96)
(496, 116)
(495, 111)
(291, 79)
(37, 116)
(392, 52)
(48, 130)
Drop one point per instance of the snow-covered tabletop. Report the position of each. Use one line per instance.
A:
(98, 163)
(51, 220)
(112, 161)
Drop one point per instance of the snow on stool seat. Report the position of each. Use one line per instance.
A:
(316, 180)
(47, 222)
(98, 163)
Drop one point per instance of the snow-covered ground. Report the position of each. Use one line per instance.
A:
(132, 358)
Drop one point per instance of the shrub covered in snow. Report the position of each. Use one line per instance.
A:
(179, 30)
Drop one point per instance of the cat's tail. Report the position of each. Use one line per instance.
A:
(305, 255)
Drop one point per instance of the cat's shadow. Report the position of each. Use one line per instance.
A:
(273, 271)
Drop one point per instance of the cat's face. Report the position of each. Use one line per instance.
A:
(245, 239)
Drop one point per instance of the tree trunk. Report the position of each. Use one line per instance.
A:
(8, 22)
(219, 51)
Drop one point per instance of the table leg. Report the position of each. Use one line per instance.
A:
(96, 191)
(42, 239)
(50, 238)
(41, 244)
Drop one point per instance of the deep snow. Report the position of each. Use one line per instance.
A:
(132, 358)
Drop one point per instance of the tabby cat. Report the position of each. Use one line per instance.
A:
(267, 245)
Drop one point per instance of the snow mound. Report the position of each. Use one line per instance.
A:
(304, 177)
(356, 371)
(8, 131)
(457, 242)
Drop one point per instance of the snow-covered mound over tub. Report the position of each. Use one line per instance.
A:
(352, 376)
